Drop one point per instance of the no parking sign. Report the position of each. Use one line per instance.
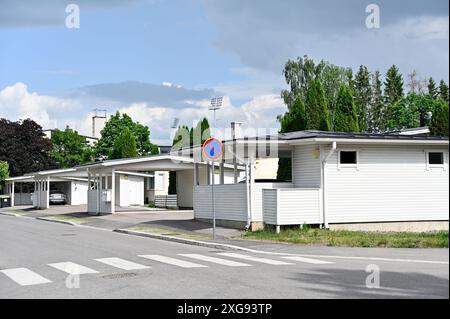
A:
(213, 149)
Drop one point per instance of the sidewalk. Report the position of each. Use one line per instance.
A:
(153, 220)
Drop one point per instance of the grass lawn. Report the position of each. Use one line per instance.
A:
(308, 236)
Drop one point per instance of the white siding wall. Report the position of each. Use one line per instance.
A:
(389, 184)
(293, 206)
(257, 197)
(230, 202)
(270, 206)
(299, 206)
(233, 197)
(306, 166)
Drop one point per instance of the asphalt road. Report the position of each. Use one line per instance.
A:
(37, 257)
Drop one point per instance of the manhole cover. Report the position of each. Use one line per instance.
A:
(118, 276)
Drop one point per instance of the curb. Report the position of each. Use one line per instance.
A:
(9, 214)
(57, 221)
(181, 240)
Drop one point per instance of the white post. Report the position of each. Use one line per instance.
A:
(113, 191)
(196, 177)
(47, 205)
(208, 174)
(12, 194)
(222, 172)
(97, 187)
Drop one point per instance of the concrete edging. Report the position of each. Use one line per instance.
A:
(180, 240)
(57, 221)
(9, 214)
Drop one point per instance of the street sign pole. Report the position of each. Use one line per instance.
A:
(212, 151)
(213, 200)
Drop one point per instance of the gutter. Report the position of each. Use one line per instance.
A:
(324, 179)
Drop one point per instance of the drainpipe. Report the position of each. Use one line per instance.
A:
(324, 179)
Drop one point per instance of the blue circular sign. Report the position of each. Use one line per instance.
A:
(212, 149)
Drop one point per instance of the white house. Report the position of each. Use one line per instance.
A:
(339, 181)
(389, 181)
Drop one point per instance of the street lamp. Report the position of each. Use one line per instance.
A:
(216, 104)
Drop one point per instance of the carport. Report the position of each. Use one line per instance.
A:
(118, 185)
(34, 189)
(106, 196)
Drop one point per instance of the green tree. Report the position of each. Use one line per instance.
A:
(114, 128)
(363, 96)
(4, 173)
(317, 115)
(298, 74)
(70, 148)
(124, 146)
(185, 137)
(439, 120)
(332, 77)
(200, 133)
(432, 89)
(24, 146)
(443, 91)
(345, 116)
(393, 85)
(377, 106)
(405, 113)
(293, 120)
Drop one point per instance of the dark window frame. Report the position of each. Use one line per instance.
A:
(440, 159)
(353, 163)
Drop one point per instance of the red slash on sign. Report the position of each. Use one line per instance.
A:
(212, 149)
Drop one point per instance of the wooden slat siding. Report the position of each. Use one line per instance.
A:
(230, 200)
(257, 198)
(270, 206)
(166, 201)
(299, 206)
(392, 184)
(306, 167)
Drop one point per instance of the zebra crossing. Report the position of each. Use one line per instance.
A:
(27, 277)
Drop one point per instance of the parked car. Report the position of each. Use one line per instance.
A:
(56, 197)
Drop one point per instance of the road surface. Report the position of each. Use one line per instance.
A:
(40, 259)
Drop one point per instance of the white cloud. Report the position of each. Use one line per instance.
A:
(16, 102)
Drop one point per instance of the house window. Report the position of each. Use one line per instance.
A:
(348, 158)
(436, 158)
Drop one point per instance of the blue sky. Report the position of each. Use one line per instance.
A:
(159, 59)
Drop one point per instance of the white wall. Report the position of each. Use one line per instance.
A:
(306, 166)
(185, 188)
(130, 190)
(389, 184)
(78, 193)
(231, 201)
(291, 206)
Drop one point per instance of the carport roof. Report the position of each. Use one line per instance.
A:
(150, 163)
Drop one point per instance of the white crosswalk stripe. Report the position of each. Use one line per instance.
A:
(216, 260)
(24, 276)
(122, 263)
(173, 261)
(308, 260)
(73, 268)
(257, 259)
